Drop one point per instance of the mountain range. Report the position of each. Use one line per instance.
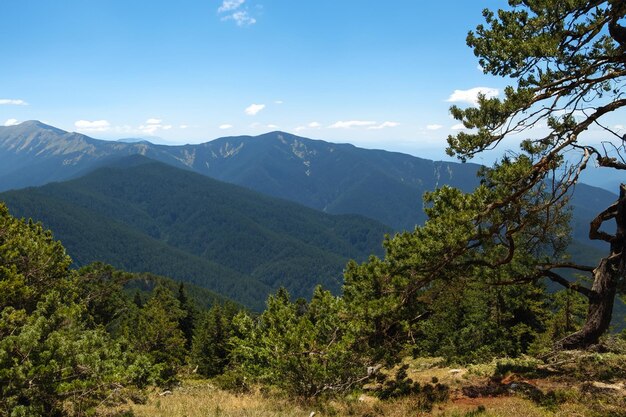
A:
(332, 178)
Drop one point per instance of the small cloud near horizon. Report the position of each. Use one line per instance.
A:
(384, 125)
(433, 127)
(225, 126)
(312, 125)
(13, 102)
(152, 125)
(348, 124)
(92, 126)
(471, 96)
(11, 122)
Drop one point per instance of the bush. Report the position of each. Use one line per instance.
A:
(308, 350)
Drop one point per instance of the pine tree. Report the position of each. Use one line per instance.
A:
(568, 60)
(157, 333)
(308, 352)
(187, 322)
(210, 350)
(53, 360)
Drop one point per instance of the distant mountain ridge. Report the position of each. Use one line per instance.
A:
(334, 178)
(33, 153)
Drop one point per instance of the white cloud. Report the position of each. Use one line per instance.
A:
(183, 127)
(253, 109)
(616, 127)
(241, 17)
(235, 12)
(229, 5)
(458, 126)
(433, 127)
(152, 125)
(384, 125)
(92, 126)
(15, 102)
(270, 126)
(11, 122)
(312, 125)
(471, 96)
(576, 114)
(278, 102)
(351, 123)
(226, 126)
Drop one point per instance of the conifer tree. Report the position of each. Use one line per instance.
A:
(568, 61)
(53, 360)
(210, 350)
(308, 352)
(157, 333)
(187, 322)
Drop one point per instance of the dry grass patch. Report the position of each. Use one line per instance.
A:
(201, 399)
(505, 388)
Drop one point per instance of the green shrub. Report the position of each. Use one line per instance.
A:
(308, 350)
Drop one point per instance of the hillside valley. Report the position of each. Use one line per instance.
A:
(141, 215)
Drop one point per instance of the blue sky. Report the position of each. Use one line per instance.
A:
(376, 74)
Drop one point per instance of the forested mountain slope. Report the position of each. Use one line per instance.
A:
(141, 215)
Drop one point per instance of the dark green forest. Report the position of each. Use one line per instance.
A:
(140, 215)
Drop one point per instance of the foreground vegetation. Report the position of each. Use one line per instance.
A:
(501, 388)
(78, 341)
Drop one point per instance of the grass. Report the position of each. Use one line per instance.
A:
(201, 399)
(575, 392)
(196, 399)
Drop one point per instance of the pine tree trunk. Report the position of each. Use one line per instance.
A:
(600, 308)
(609, 272)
